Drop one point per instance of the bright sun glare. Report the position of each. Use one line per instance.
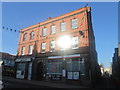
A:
(64, 42)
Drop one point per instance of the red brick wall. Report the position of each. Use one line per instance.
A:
(72, 32)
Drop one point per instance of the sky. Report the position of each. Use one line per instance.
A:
(23, 14)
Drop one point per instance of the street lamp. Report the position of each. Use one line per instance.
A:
(64, 42)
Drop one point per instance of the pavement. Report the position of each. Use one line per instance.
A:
(42, 83)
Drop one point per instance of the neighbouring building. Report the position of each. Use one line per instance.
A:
(8, 62)
(102, 69)
(116, 64)
(41, 58)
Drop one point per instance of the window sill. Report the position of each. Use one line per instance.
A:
(75, 48)
(75, 28)
(43, 52)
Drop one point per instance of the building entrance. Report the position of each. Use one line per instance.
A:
(40, 71)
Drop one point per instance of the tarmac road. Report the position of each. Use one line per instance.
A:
(12, 84)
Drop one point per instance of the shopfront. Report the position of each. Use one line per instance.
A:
(24, 68)
(69, 67)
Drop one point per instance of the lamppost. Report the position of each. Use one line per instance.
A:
(64, 42)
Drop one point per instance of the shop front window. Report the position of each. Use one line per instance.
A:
(75, 65)
(54, 67)
(21, 66)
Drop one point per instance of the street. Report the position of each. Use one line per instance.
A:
(105, 82)
(9, 84)
(102, 83)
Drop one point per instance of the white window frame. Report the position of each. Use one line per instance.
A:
(23, 50)
(63, 26)
(74, 23)
(43, 47)
(52, 46)
(74, 42)
(32, 35)
(44, 31)
(30, 49)
(53, 29)
(24, 37)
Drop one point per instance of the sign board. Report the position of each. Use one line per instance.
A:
(56, 77)
(23, 59)
(69, 75)
(65, 56)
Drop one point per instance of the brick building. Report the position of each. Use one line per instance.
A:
(8, 62)
(116, 65)
(41, 58)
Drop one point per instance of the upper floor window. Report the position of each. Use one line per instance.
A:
(52, 46)
(74, 23)
(24, 37)
(74, 42)
(62, 26)
(43, 47)
(23, 50)
(44, 30)
(32, 35)
(53, 29)
(30, 49)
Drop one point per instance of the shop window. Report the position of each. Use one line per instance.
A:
(74, 23)
(52, 46)
(21, 66)
(54, 67)
(74, 42)
(44, 30)
(75, 65)
(62, 26)
(43, 47)
(53, 29)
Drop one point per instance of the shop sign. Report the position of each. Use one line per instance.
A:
(56, 77)
(64, 56)
(23, 59)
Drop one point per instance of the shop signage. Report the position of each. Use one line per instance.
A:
(56, 77)
(23, 59)
(64, 56)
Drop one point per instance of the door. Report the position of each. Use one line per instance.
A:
(40, 71)
(29, 71)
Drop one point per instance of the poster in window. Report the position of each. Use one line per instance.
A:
(70, 75)
(76, 75)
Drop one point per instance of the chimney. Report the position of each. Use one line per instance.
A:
(49, 18)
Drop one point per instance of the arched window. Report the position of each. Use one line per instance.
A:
(24, 36)
(32, 35)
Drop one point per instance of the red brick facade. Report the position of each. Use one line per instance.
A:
(80, 15)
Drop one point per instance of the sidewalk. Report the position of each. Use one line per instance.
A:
(43, 83)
